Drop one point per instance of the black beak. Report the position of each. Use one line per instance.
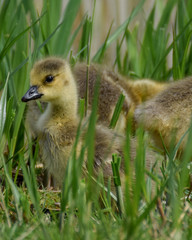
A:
(31, 94)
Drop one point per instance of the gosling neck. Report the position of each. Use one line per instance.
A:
(63, 110)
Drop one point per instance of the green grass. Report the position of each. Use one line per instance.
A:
(80, 215)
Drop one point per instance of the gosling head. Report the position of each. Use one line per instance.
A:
(51, 80)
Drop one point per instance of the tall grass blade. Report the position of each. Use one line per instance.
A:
(85, 38)
(63, 36)
(90, 138)
(116, 162)
(103, 50)
(3, 104)
(176, 64)
(184, 60)
(117, 111)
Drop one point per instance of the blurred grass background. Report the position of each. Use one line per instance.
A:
(144, 39)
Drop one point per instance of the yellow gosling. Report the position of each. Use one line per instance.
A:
(53, 82)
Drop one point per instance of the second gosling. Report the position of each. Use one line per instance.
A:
(167, 116)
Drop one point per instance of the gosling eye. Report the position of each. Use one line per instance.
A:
(49, 78)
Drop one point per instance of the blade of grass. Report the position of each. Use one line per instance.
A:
(100, 57)
(3, 103)
(184, 60)
(117, 111)
(176, 63)
(87, 26)
(90, 137)
(69, 17)
(116, 161)
(139, 170)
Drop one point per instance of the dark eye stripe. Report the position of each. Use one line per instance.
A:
(49, 78)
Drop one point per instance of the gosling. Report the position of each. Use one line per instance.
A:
(53, 82)
(168, 115)
(57, 126)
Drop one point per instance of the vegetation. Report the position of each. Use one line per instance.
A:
(28, 211)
